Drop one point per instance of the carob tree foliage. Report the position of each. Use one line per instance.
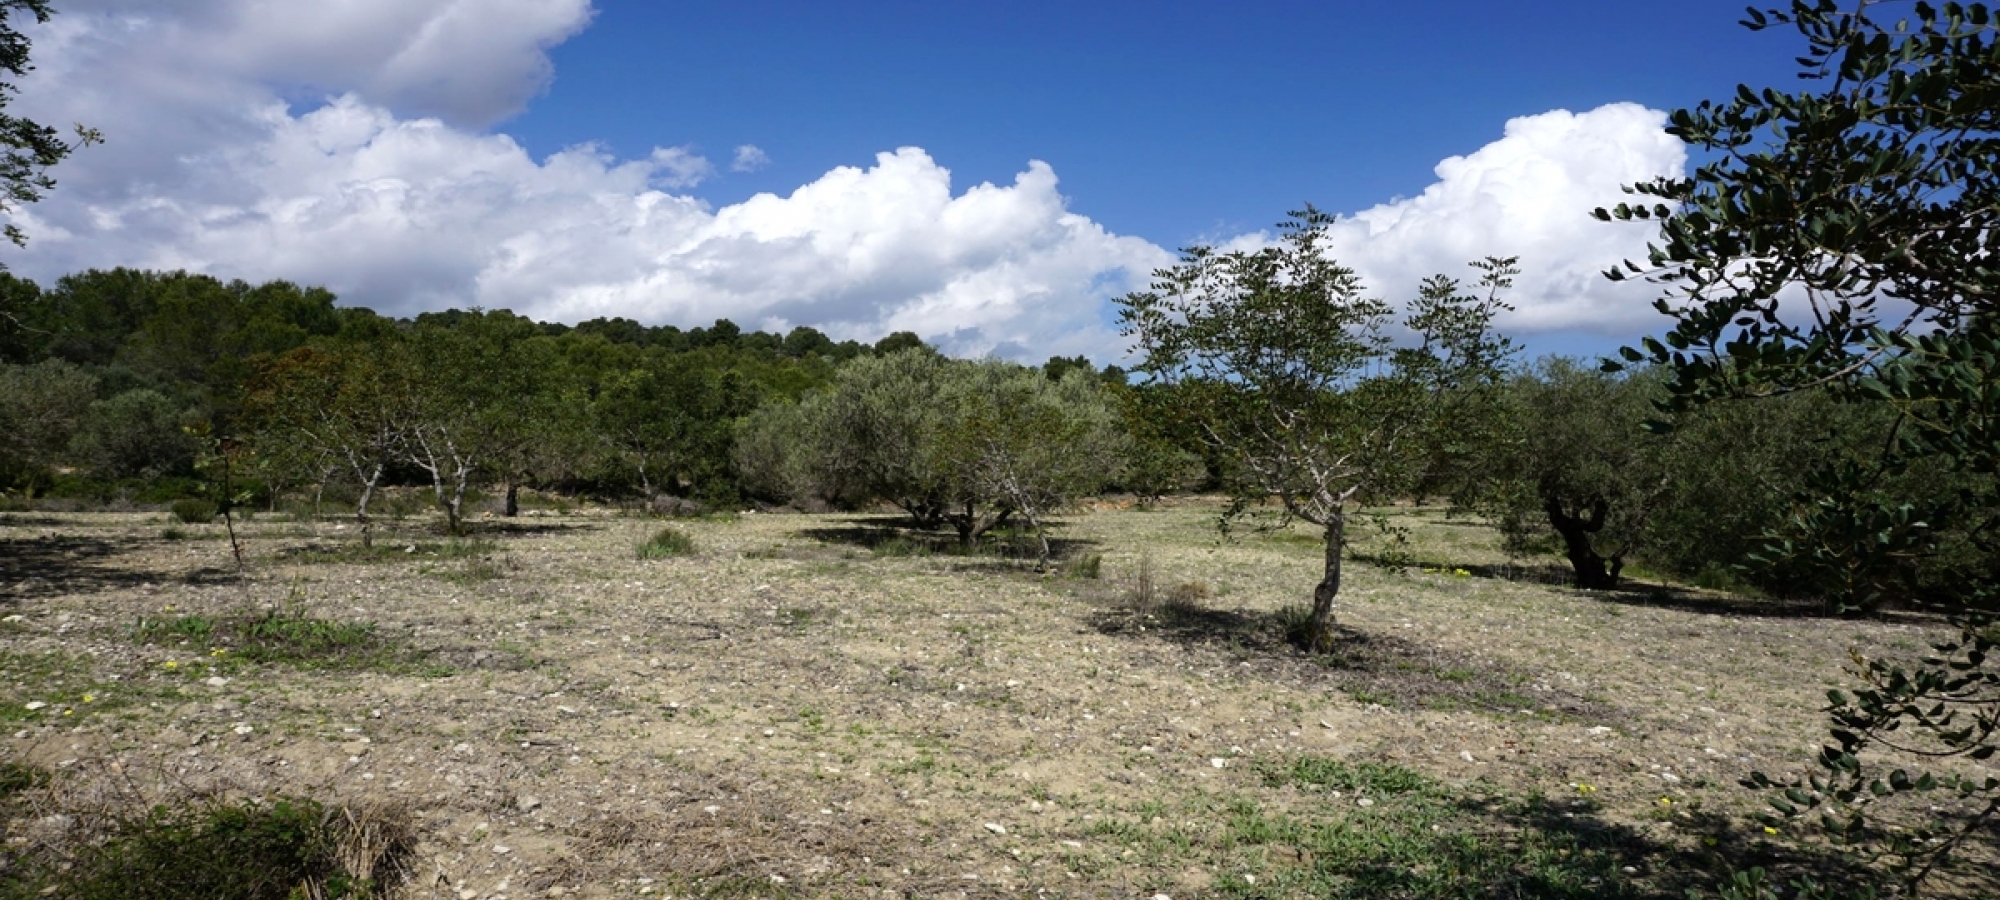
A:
(1845, 239)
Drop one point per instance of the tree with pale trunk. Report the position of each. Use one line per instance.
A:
(1291, 372)
(344, 405)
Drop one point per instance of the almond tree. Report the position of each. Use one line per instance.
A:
(344, 404)
(1291, 373)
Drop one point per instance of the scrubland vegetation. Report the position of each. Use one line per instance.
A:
(1331, 594)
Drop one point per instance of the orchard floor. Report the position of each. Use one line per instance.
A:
(800, 709)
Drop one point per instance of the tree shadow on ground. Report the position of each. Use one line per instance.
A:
(1636, 592)
(54, 566)
(1712, 847)
(1371, 668)
(494, 528)
(892, 537)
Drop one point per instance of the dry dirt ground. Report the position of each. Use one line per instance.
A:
(798, 708)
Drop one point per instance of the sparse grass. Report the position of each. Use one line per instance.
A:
(1333, 774)
(1088, 566)
(281, 849)
(172, 533)
(1378, 830)
(275, 637)
(667, 542)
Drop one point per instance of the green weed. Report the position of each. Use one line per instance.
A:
(667, 542)
(279, 850)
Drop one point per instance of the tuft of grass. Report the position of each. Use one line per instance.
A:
(1088, 566)
(282, 849)
(194, 512)
(17, 777)
(1145, 593)
(901, 546)
(667, 542)
(1308, 770)
(172, 533)
(1294, 620)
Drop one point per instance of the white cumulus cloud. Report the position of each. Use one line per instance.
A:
(354, 150)
(1528, 194)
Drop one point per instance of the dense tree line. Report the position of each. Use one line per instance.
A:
(104, 375)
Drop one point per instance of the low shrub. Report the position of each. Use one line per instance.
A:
(194, 512)
(667, 542)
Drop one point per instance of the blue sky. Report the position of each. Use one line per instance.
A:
(990, 176)
(1173, 121)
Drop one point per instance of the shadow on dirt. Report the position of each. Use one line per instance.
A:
(885, 536)
(52, 566)
(503, 528)
(1718, 846)
(1637, 593)
(1371, 668)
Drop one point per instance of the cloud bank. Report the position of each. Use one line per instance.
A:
(357, 149)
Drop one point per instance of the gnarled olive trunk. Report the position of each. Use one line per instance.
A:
(1319, 636)
(1594, 572)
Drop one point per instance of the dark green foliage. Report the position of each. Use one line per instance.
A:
(1946, 707)
(42, 406)
(901, 341)
(283, 849)
(194, 512)
(30, 148)
(1843, 240)
(136, 434)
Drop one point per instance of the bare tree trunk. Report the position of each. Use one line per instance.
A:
(1035, 522)
(1319, 638)
(454, 507)
(361, 512)
(968, 529)
(513, 499)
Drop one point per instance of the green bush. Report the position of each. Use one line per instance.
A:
(667, 542)
(194, 512)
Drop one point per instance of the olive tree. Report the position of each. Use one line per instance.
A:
(874, 435)
(1291, 371)
(41, 408)
(1843, 238)
(1013, 442)
(1577, 466)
